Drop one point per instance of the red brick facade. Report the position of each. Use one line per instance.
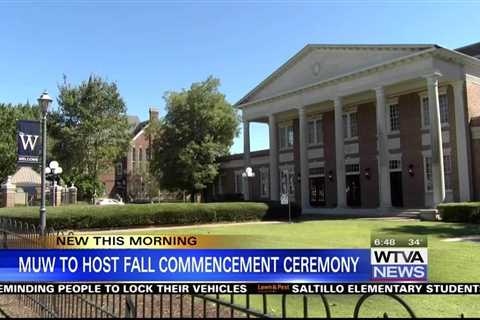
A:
(473, 101)
(411, 152)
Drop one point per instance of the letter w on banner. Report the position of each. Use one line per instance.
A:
(29, 142)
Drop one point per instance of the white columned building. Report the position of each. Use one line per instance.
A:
(349, 102)
(246, 156)
(273, 168)
(438, 172)
(303, 157)
(340, 153)
(461, 138)
(382, 149)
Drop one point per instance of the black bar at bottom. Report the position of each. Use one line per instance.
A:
(238, 288)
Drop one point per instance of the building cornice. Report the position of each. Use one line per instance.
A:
(342, 78)
(442, 53)
(309, 47)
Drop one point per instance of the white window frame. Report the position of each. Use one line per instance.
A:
(264, 182)
(348, 116)
(449, 174)
(291, 170)
(283, 130)
(395, 165)
(390, 104)
(424, 95)
(446, 153)
(352, 166)
(352, 162)
(425, 173)
(236, 187)
(315, 141)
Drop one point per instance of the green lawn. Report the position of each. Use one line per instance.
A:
(448, 261)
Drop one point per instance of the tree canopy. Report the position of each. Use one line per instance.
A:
(91, 131)
(199, 127)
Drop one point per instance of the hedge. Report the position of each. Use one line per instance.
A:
(84, 216)
(460, 212)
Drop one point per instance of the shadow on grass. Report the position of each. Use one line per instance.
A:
(441, 230)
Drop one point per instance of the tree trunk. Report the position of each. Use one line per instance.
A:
(192, 196)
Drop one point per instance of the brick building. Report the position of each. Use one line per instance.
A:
(132, 178)
(364, 126)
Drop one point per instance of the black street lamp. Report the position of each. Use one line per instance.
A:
(44, 102)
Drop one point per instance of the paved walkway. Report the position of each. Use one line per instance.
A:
(466, 238)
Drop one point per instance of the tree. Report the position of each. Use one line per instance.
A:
(198, 128)
(91, 131)
(9, 114)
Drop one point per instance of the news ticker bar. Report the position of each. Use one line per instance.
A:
(240, 288)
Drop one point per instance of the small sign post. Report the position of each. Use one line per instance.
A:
(285, 196)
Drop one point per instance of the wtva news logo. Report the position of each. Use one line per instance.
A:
(399, 264)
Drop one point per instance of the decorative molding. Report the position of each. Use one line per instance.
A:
(472, 78)
(351, 148)
(315, 153)
(311, 47)
(285, 157)
(433, 51)
(341, 78)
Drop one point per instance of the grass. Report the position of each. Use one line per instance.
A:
(448, 261)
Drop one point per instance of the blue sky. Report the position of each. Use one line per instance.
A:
(149, 47)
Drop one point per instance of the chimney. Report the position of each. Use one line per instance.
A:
(153, 113)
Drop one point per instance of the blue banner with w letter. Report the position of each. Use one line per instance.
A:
(29, 142)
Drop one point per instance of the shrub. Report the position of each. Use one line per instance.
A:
(460, 212)
(82, 217)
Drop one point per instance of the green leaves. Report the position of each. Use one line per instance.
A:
(198, 129)
(91, 129)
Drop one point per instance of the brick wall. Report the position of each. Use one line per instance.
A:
(473, 105)
(108, 179)
(329, 154)
(473, 99)
(367, 136)
(411, 148)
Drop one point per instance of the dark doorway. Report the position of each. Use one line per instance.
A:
(317, 191)
(396, 188)
(353, 190)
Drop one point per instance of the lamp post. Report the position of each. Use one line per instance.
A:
(53, 171)
(44, 102)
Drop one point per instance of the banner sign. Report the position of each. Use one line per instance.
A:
(237, 288)
(29, 142)
(202, 265)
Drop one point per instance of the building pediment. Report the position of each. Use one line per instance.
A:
(315, 63)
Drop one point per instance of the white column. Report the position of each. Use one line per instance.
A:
(382, 148)
(461, 128)
(274, 184)
(303, 158)
(340, 153)
(246, 156)
(436, 140)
